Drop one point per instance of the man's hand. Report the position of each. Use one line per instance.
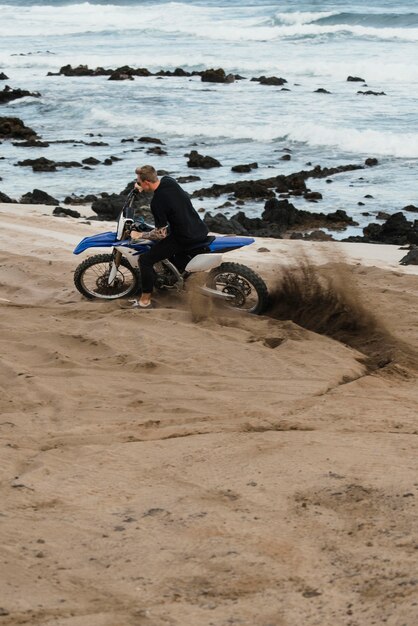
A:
(138, 187)
(136, 235)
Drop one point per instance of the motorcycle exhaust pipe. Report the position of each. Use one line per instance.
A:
(214, 293)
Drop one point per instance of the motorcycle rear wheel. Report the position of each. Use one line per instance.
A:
(249, 291)
(90, 278)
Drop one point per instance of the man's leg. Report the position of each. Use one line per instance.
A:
(160, 251)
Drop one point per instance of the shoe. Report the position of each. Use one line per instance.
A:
(136, 304)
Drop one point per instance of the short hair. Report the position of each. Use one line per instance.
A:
(147, 173)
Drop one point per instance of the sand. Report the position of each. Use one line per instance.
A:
(188, 466)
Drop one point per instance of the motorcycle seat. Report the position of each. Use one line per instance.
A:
(201, 244)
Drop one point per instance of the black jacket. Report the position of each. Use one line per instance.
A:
(171, 206)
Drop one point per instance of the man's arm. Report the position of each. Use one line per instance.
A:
(153, 235)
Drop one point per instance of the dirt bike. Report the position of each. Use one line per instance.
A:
(117, 274)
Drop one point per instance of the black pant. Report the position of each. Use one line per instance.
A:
(163, 249)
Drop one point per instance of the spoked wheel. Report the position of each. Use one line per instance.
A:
(247, 289)
(91, 278)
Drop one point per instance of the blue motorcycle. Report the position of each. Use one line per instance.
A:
(117, 274)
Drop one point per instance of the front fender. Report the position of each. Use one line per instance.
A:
(104, 240)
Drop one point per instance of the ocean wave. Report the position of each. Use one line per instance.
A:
(349, 140)
(208, 22)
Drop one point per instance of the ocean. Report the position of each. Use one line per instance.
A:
(311, 44)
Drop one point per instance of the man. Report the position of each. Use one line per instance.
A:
(177, 225)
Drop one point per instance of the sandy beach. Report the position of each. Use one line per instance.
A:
(188, 466)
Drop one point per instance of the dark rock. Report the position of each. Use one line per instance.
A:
(31, 143)
(131, 139)
(318, 235)
(68, 70)
(80, 199)
(371, 162)
(177, 72)
(147, 140)
(312, 196)
(115, 158)
(381, 215)
(37, 196)
(241, 169)
(14, 128)
(188, 179)
(216, 76)
(199, 161)
(120, 76)
(411, 258)
(8, 94)
(3, 76)
(368, 196)
(285, 157)
(372, 93)
(46, 165)
(63, 212)
(157, 150)
(90, 161)
(5, 198)
(355, 79)
(396, 230)
(270, 80)
(321, 90)
(411, 208)
(220, 224)
(108, 208)
(108, 162)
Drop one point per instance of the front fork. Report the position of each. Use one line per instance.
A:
(117, 256)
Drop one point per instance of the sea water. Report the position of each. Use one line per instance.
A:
(311, 44)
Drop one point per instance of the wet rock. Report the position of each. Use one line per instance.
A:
(199, 161)
(109, 207)
(318, 235)
(37, 196)
(177, 72)
(8, 94)
(68, 70)
(131, 71)
(3, 76)
(148, 140)
(46, 165)
(129, 139)
(270, 80)
(411, 258)
(188, 179)
(5, 198)
(285, 157)
(312, 196)
(355, 79)
(216, 76)
(244, 168)
(157, 150)
(80, 199)
(321, 90)
(220, 224)
(120, 76)
(14, 128)
(382, 215)
(90, 161)
(63, 212)
(371, 162)
(411, 208)
(396, 230)
(108, 162)
(372, 93)
(31, 143)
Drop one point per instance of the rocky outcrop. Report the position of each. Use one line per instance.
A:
(411, 258)
(371, 162)
(80, 199)
(369, 92)
(3, 76)
(355, 79)
(216, 76)
(46, 165)
(293, 184)
(278, 219)
(31, 143)
(37, 196)
(244, 169)
(63, 212)
(270, 80)
(197, 160)
(149, 140)
(14, 128)
(5, 198)
(396, 230)
(8, 94)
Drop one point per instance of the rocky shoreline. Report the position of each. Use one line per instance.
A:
(279, 219)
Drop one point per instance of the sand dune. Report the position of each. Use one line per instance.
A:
(179, 466)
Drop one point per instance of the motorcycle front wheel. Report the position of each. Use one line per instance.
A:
(91, 278)
(247, 290)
